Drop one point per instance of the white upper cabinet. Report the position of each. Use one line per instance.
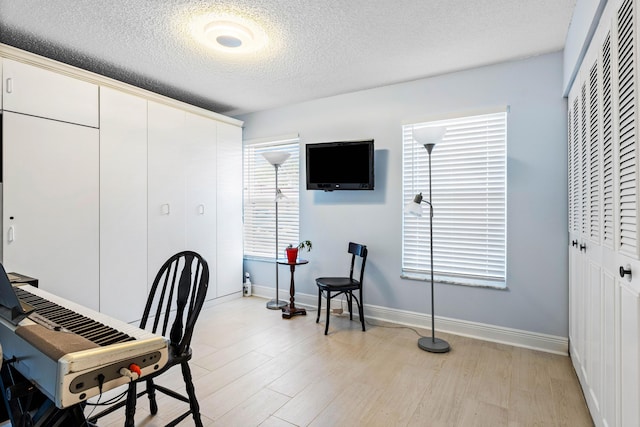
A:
(43, 93)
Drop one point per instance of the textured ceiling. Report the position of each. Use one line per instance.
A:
(316, 48)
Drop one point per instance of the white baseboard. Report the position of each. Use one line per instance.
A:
(516, 337)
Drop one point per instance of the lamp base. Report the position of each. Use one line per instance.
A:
(276, 304)
(433, 345)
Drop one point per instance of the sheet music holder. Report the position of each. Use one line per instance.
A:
(11, 308)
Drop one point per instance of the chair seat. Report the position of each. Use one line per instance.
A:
(337, 283)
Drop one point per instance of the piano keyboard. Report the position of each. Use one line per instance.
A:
(61, 317)
(63, 347)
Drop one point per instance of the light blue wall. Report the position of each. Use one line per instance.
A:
(537, 298)
(584, 21)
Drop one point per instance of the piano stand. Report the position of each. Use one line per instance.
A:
(26, 406)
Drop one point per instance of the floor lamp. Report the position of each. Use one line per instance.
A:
(428, 138)
(276, 158)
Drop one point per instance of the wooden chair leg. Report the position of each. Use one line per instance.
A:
(326, 326)
(130, 411)
(319, 304)
(191, 392)
(151, 394)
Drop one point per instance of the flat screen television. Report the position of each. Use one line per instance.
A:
(345, 165)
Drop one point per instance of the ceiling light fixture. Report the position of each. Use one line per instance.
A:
(228, 33)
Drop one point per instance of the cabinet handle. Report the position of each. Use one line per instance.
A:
(574, 243)
(166, 209)
(201, 209)
(12, 234)
(9, 85)
(625, 270)
(583, 247)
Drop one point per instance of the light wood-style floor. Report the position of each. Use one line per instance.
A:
(253, 368)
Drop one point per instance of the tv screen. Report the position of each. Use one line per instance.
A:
(346, 165)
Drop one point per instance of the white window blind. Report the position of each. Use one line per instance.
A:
(469, 201)
(259, 198)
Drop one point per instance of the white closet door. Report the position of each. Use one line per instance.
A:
(200, 210)
(51, 205)
(594, 249)
(628, 306)
(123, 204)
(43, 93)
(166, 181)
(578, 275)
(229, 262)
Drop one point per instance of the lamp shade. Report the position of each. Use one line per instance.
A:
(414, 207)
(430, 135)
(276, 158)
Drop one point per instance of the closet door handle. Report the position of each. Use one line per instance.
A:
(625, 270)
(583, 247)
(574, 243)
(165, 209)
(9, 85)
(11, 234)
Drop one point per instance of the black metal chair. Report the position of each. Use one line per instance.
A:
(344, 286)
(178, 292)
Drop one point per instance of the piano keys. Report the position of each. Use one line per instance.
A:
(72, 353)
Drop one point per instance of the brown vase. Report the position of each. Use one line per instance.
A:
(292, 255)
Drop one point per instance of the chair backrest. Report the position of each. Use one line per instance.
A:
(357, 249)
(178, 292)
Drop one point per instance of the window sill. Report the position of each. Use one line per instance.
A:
(258, 258)
(486, 285)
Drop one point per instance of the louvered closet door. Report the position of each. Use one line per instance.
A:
(628, 289)
(576, 325)
(593, 251)
(606, 391)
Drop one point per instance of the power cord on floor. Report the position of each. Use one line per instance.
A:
(395, 327)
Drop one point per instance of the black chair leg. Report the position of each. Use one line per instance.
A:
(130, 411)
(361, 309)
(191, 391)
(151, 394)
(350, 301)
(326, 326)
(319, 305)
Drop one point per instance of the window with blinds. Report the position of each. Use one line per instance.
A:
(469, 202)
(260, 195)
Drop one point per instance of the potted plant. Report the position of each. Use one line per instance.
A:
(292, 252)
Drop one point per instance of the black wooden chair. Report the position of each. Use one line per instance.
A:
(178, 292)
(331, 287)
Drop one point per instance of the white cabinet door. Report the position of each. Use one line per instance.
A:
(166, 185)
(200, 173)
(629, 355)
(229, 213)
(51, 205)
(43, 93)
(123, 204)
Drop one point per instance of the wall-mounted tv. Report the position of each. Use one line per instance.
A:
(345, 165)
